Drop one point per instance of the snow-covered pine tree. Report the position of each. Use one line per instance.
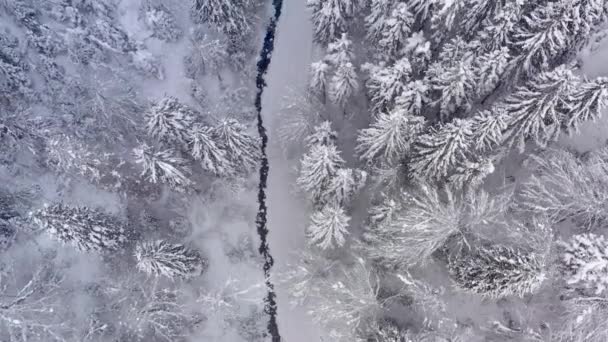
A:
(533, 110)
(489, 68)
(552, 31)
(85, 228)
(422, 8)
(344, 185)
(323, 134)
(563, 187)
(386, 83)
(33, 305)
(344, 84)
(478, 13)
(409, 230)
(396, 30)
(471, 174)
(344, 81)
(162, 258)
(14, 81)
(379, 11)
(319, 166)
(204, 149)
(169, 120)
(498, 32)
(586, 103)
(318, 79)
(162, 166)
(583, 319)
(328, 227)
(456, 84)
(242, 148)
(161, 22)
(228, 16)
(149, 311)
(413, 97)
(330, 18)
(488, 128)
(208, 55)
(445, 19)
(585, 258)
(498, 271)
(438, 151)
(390, 137)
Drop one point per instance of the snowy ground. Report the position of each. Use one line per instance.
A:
(286, 214)
(593, 134)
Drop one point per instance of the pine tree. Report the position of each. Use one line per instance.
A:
(148, 64)
(161, 258)
(85, 228)
(328, 227)
(438, 151)
(390, 137)
(242, 148)
(14, 81)
(543, 37)
(489, 69)
(586, 103)
(204, 149)
(380, 10)
(478, 13)
(329, 18)
(498, 271)
(161, 22)
(344, 82)
(563, 187)
(533, 111)
(585, 257)
(169, 120)
(33, 305)
(385, 84)
(229, 16)
(344, 185)
(409, 230)
(208, 55)
(488, 128)
(318, 79)
(396, 29)
(323, 135)
(319, 166)
(499, 30)
(414, 97)
(470, 174)
(162, 166)
(444, 19)
(456, 84)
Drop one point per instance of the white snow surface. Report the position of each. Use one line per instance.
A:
(592, 135)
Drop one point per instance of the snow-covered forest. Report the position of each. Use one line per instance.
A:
(437, 170)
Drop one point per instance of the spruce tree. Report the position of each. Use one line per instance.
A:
(498, 271)
(241, 147)
(169, 120)
(87, 229)
(390, 137)
(438, 151)
(204, 149)
(328, 227)
(162, 166)
(161, 258)
(319, 166)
